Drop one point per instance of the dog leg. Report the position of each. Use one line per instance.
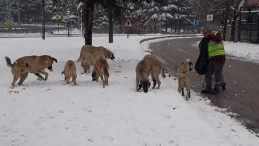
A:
(22, 78)
(182, 91)
(137, 84)
(15, 78)
(68, 79)
(74, 79)
(102, 80)
(154, 82)
(40, 78)
(46, 74)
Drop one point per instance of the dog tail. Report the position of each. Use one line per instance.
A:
(8, 62)
(80, 58)
(106, 70)
(81, 55)
(163, 71)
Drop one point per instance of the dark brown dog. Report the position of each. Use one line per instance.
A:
(101, 69)
(70, 71)
(30, 64)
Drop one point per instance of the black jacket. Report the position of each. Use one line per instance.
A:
(203, 59)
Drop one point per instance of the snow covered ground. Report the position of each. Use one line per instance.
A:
(53, 113)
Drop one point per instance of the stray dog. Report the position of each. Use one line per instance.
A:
(70, 71)
(87, 62)
(184, 80)
(30, 64)
(101, 69)
(96, 51)
(149, 65)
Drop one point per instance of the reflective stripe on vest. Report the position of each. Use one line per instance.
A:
(216, 49)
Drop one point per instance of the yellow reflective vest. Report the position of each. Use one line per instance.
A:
(215, 49)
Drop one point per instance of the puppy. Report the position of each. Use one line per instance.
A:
(184, 79)
(142, 73)
(149, 65)
(30, 64)
(70, 71)
(101, 69)
(155, 68)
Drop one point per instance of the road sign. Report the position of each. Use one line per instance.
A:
(7, 15)
(128, 23)
(195, 22)
(8, 22)
(210, 17)
(128, 15)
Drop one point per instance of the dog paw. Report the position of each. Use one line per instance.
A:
(40, 79)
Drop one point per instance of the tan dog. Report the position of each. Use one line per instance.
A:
(184, 80)
(30, 64)
(149, 65)
(87, 62)
(101, 69)
(70, 71)
(96, 51)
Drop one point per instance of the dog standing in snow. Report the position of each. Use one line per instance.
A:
(184, 80)
(70, 71)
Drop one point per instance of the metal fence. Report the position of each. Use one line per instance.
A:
(249, 25)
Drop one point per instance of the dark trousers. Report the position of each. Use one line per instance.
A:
(215, 67)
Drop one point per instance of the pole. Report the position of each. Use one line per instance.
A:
(43, 20)
(127, 31)
(178, 17)
(110, 23)
(18, 12)
(81, 23)
(226, 20)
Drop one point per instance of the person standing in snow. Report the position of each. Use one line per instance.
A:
(216, 59)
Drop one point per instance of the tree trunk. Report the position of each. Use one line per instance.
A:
(226, 20)
(88, 15)
(233, 26)
(110, 23)
(43, 19)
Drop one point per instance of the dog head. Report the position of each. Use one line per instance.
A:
(85, 66)
(50, 62)
(108, 54)
(186, 66)
(145, 84)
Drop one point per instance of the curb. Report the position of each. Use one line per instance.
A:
(153, 38)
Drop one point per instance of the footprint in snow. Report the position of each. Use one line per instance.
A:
(90, 140)
(110, 138)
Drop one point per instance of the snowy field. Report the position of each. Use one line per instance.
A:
(53, 113)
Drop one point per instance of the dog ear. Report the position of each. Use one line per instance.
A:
(190, 63)
(54, 59)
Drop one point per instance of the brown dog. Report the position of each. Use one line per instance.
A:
(101, 70)
(97, 52)
(149, 65)
(70, 71)
(30, 64)
(184, 79)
